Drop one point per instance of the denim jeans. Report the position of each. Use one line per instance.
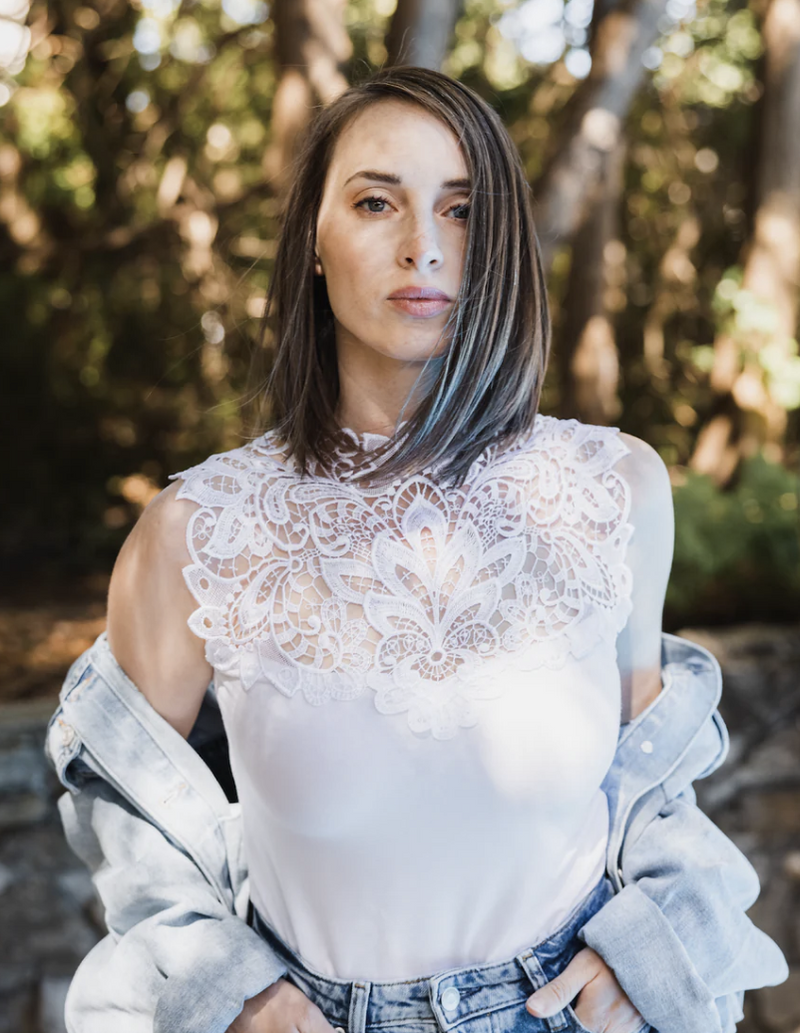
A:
(474, 999)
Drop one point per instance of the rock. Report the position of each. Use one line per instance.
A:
(774, 816)
(21, 809)
(68, 940)
(52, 995)
(78, 886)
(14, 977)
(774, 908)
(23, 768)
(6, 877)
(791, 865)
(780, 1005)
(25, 777)
(16, 1011)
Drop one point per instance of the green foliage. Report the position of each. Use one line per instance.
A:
(136, 243)
(710, 60)
(737, 552)
(754, 325)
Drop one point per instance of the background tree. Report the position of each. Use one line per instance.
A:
(144, 146)
(754, 374)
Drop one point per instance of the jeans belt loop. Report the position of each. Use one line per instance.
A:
(359, 996)
(534, 971)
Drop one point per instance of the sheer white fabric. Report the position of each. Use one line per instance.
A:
(420, 689)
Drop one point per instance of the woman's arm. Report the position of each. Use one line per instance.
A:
(649, 556)
(148, 609)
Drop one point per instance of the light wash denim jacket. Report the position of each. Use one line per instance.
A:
(164, 845)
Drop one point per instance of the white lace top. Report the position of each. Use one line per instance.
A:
(420, 690)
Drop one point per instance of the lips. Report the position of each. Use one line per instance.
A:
(419, 294)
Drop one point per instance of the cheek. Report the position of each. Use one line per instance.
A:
(352, 264)
(348, 244)
(456, 243)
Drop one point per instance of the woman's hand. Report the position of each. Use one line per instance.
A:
(602, 1006)
(280, 1008)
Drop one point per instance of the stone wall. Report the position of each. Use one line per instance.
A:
(51, 916)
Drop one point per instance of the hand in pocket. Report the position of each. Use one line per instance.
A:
(280, 1008)
(602, 1007)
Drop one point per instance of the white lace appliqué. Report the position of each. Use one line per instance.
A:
(421, 594)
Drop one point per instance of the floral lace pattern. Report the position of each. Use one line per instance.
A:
(418, 593)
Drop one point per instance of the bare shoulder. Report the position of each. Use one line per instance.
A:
(645, 471)
(651, 508)
(164, 521)
(647, 476)
(649, 557)
(155, 550)
(149, 606)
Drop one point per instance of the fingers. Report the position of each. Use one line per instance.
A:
(281, 1008)
(312, 1020)
(553, 996)
(601, 1002)
(317, 1023)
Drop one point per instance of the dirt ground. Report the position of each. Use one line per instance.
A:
(43, 628)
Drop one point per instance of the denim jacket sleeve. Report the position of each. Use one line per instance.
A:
(676, 932)
(179, 956)
(176, 958)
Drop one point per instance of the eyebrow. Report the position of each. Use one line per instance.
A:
(389, 177)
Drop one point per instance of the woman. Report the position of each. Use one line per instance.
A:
(426, 608)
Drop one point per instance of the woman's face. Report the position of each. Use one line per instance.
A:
(393, 219)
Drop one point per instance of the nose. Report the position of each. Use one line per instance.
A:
(421, 250)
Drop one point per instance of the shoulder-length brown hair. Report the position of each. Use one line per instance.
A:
(488, 385)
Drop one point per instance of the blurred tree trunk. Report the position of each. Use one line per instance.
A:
(621, 34)
(420, 32)
(746, 416)
(588, 364)
(311, 45)
(588, 360)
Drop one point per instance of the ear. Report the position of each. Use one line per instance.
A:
(317, 265)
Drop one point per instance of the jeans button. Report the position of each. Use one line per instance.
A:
(450, 998)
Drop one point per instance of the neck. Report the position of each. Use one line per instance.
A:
(378, 393)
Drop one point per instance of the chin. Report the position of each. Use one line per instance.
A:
(406, 352)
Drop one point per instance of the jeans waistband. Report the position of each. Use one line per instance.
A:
(451, 996)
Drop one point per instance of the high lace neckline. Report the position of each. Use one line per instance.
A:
(369, 439)
(422, 594)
